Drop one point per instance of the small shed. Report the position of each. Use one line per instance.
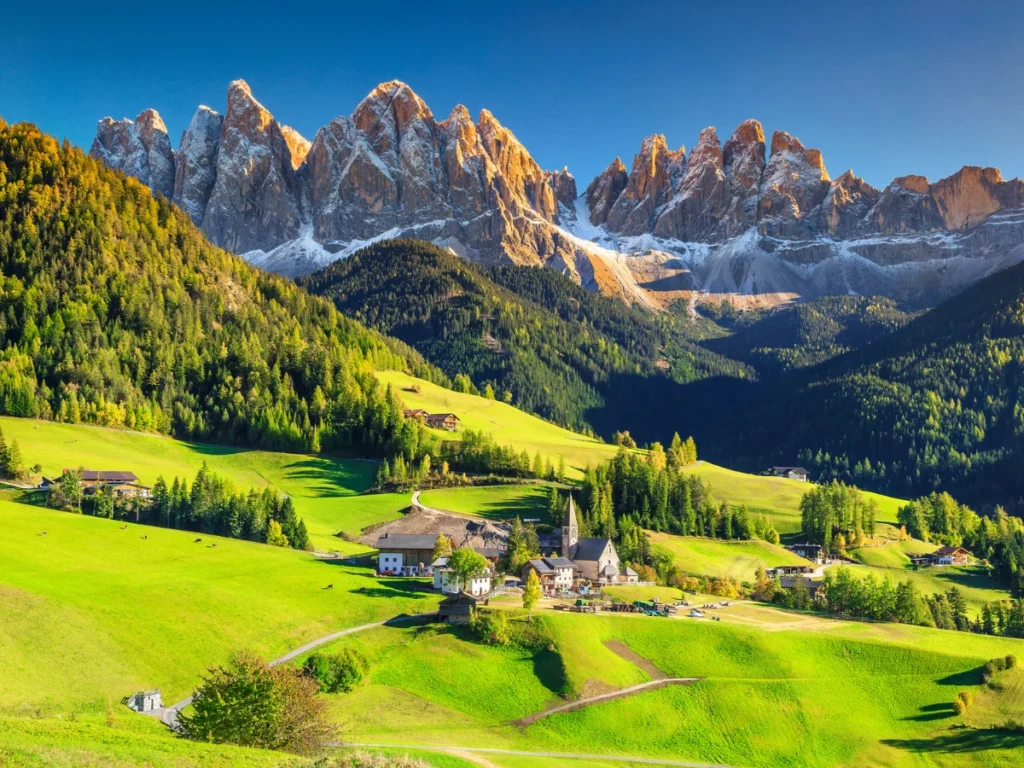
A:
(145, 701)
(457, 609)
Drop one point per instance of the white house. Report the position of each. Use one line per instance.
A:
(145, 701)
(447, 583)
(405, 554)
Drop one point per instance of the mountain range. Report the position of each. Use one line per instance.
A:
(756, 222)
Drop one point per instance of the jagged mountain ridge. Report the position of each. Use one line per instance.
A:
(723, 220)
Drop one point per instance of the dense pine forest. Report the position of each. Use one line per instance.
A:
(531, 336)
(936, 405)
(115, 310)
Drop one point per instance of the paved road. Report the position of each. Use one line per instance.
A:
(563, 755)
(169, 715)
(622, 693)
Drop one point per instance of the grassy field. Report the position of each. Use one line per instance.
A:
(778, 497)
(508, 425)
(493, 502)
(724, 559)
(973, 582)
(325, 491)
(93, 612)
(893, 554)
(833, 694)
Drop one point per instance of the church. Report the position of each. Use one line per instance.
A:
(595, 559)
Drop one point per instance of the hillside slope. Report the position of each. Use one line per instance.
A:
(117, 311)
(561, 352)
(937, 404)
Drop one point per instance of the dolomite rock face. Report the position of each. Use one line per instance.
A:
(139, 148)
(196, 169)
(762, 224)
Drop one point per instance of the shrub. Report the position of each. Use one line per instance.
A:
(491, 626)
(959, 707)
(966, 697)
(1010, 661)
(336, 672)
(252, 704)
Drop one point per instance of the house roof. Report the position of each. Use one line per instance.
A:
(407, 541)
(116, 476)
(491, 553)
(950, 551)
(442, 416)
(559, 562)
(789, 469)
(590, 549)
(610, 570)
(540, 566)
(804, 546)
(441, 562)
(630, 571)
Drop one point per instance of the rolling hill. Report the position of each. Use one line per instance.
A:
(564, 353)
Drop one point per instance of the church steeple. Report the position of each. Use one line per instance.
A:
(570, 530)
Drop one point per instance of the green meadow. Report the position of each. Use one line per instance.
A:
(325, 490)
(508, 425)
(737, 560)
(831, 696)
(493, 502)
(778, 497)
(93, 611)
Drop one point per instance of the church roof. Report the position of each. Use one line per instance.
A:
(590, 549)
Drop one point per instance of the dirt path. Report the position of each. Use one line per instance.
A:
(619, 694)
(169, 715)
(623, 651)
(554, 755)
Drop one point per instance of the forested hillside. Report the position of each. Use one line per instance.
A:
(115, 310)
(935, 405)
(531, 336)
(807, 333)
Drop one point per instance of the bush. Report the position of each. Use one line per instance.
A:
(959, 707)
(966, 697)
(491, 626)
(252, 704)
(336, 672)
(1010, 661)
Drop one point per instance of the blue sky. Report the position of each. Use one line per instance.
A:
(887, 88)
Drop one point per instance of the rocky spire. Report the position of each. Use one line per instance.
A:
(298, 145)
(525, 182)
(793, 184)
(604, 190)
(743, 162)
(139, 148)
(700, 201)
(255, 202)
(196, 169)
(648, 187)
(847, 204)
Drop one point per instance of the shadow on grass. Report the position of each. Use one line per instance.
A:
(530, 504)
(962, 740)
(960, 679)
(549, 668)
(330, 477)
(933, 712)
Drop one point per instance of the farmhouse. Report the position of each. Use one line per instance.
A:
(787, 570)
(447, 583)
(446, 421)
(790, 582)
(415, 413)
(554, 573)
(793, 473)
(944, 556)
(458, 608)
(595, 559)
(813, 552)
(124, 485)
(405, 554)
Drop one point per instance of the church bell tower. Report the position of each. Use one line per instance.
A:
(570, 531)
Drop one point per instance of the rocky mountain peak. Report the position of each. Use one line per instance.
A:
(524, 179)
(604, 190)
(139, 148)
(196, 167)
(743, 162)
(647, 188)
(793, 184)
(298, 145)
(700, 196)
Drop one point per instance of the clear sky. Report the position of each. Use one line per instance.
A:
(887, 88)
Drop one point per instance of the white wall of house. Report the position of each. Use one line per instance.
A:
(389, 562)
(563, 578)
(446, 582)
